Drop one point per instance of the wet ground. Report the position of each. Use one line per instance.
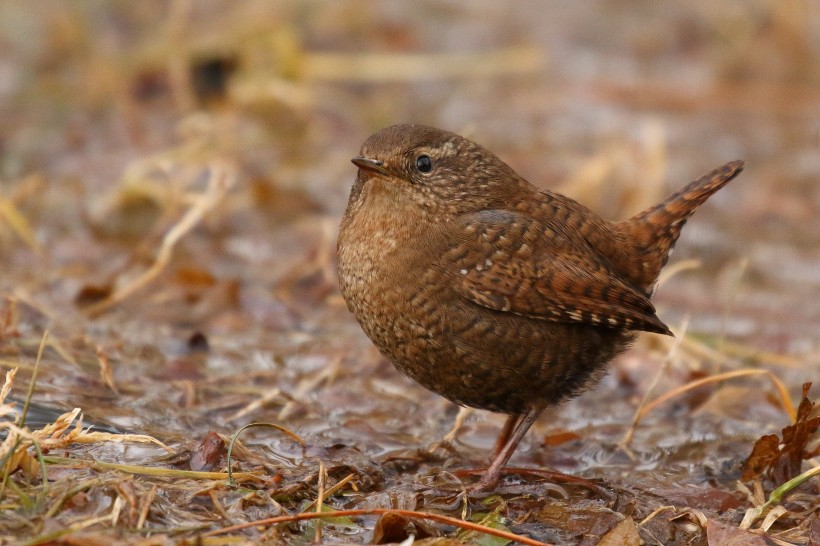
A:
(201, 150)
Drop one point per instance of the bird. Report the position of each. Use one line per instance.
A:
(489, 291)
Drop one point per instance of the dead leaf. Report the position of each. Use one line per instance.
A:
(720, 534)
(781, 460)
(764, 453)
(623, 534)
(391, 528)
(208, 453)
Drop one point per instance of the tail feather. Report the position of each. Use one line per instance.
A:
(653, 232)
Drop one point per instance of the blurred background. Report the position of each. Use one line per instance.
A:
(118, 116)
(613, 103)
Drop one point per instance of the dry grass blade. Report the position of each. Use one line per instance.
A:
(380, 512)
(785, 401)
(254, 405)
(627, 439)
(13, 452)
(150, 470)
(678, 267)
(106, 371)
(89, 437)
(18, 224)
(654, 513)
(146, 505)
(462, 414)
(330, 491)
(5, 409)
(82, 486)
(234, 438)
(220, 181)
(33, 381)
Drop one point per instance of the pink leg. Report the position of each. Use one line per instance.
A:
(522, 425)
(504, 434)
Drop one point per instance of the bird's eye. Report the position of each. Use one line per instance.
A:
(424, 164)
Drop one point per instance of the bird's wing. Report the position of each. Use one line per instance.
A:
(512, 263)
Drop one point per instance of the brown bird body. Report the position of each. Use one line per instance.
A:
(488, 291)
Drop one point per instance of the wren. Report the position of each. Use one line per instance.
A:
(489, 291)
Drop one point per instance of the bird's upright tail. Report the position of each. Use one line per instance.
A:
(653, 232)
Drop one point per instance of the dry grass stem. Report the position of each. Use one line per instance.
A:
(152, 470)
(320, 499)
(627, 439)
(785, 401)
(330, 492)
(463, 413)
(235, 442)
(106, 371)
(381, 512)
(220, 181)
(677, 267)
(18, 224)
(33, 381)
(272, 394)
(732, 296)
(145, 506)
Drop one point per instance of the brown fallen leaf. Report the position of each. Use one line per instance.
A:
(720, 534)
(391, 528)
(781, 459)
(623, 534)
(765, 451)
(208, 453)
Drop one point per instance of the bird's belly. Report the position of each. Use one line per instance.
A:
(469, 354)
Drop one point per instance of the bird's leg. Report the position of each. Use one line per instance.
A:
(522, 425)
(504, 434)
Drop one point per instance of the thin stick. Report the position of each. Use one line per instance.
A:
(317, 538)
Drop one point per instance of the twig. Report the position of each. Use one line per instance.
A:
(320, 496)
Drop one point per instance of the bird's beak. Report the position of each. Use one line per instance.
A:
(370, 164)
